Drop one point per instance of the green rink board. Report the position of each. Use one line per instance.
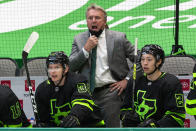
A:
(99, 129)
(149, 21)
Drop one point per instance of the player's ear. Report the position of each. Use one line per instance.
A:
(66, 69)
(158, 62)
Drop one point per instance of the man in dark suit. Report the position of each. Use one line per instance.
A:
(112, 71)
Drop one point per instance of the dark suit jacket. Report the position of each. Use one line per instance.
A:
(118, 49)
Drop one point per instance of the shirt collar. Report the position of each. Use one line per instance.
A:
(102, 34)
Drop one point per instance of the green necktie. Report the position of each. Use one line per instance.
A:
(93, 68)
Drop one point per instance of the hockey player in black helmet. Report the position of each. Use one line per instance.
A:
(157, 52)
(64, 100)
(158, 96)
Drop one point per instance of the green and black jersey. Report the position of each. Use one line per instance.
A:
(161, 100)
(190, 105)
(11, 113)
(73, 98)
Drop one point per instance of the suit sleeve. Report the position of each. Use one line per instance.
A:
(173, 105)
(77, 57)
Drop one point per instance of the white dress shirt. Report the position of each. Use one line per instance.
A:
(102, 75)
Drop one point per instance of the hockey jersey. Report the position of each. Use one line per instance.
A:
(161, 100)
(54, 103)
(11, 113)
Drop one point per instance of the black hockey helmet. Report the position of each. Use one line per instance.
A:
(154, 50)
(58, 57)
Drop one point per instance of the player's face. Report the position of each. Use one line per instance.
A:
(55, 72)
(148, 63)
(95, 20)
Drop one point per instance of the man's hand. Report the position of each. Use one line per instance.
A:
(129, 118)
(91, 43)
(70, 121)
(120, 86)
(149, 123)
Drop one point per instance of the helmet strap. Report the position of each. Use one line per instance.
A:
(153, 71)
(156, 68)
(63, 75)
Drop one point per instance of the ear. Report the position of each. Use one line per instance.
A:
(158, 62)
(66, 69)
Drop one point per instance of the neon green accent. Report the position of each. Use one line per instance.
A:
(162, 75)
(78, 101)
(178, 120)
(194, 82)
(30, 126)
(152, 125)
(179, 52)
(194, 75)
(84, 104)
(126, 109)
(134, 71)
(63, 110)
(101, 123)
(82, 88)
(190, 102)
(179, 100)
(143, 107)
(90, 101)
(16, 111)
(18, 125)
(48, 82)
(190, 111)
(178, 114)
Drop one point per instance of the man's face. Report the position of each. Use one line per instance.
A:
(55, 72)
(148, 63)
(95, 20)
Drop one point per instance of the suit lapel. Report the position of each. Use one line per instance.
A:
(109, 44)
(84, 39)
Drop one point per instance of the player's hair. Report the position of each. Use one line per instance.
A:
(154, 50)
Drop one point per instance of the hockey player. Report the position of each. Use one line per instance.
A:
(190, 105)
(158, 96)
(11, 113)
(64, 99)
